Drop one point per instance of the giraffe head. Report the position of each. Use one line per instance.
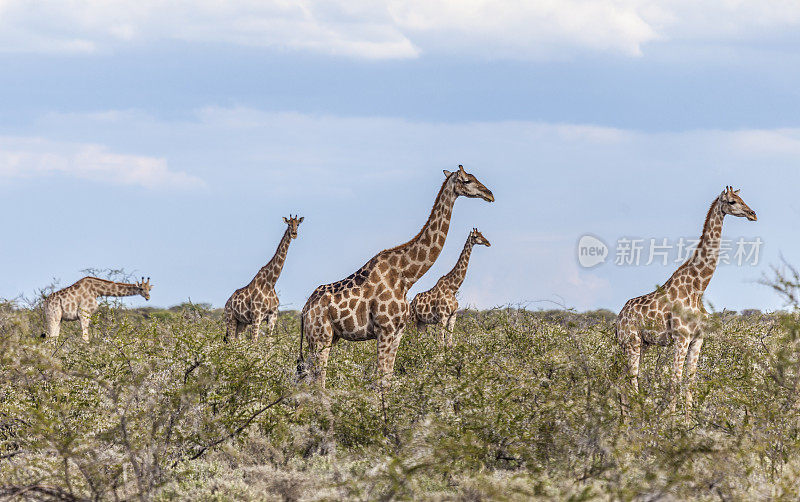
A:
(732, 204)
(144, 288)
(294, 223)
(477, 238)
(468, 185)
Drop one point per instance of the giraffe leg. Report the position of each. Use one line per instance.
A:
(53, 329)
(53, 322)
(254, 329)
(443, 330)
(451, 325)
(272, 318)
(631, 344)
(691, 370)
(388, 341)
(320, 340)
(84, 319)
(681, 348)
(321, 364)
(443, 317)
(231, 328)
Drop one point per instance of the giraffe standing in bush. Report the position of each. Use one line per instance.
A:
(257, 301)
(674, 313)
(79, 301)
(438, 305)
(371, 303)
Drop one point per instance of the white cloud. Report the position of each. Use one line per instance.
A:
(391, 28)
(37, 157)
(351, 28)
(519, 27)
(720, 19)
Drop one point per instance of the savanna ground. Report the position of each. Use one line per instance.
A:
(524, 405)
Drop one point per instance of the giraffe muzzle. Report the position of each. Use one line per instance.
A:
(751, 215)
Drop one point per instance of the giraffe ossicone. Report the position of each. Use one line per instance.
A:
(439, 305)
(371, 303)
(253, 304)
(79, 301)
(674, 312)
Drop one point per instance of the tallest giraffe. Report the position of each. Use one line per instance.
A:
(674, 313)
(371, 303)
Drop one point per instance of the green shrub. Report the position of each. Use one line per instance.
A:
(523, 405)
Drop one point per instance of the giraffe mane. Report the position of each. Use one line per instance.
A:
(708, 217)
(413, 239)
(107, 281)
(690, 259)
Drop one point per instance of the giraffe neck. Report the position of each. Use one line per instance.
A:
(456, 276)
(100, 287)
(421, 252)
(704, 260)
(269, 273)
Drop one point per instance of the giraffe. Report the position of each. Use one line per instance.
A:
(438, 305)
(79, 301)
(674, 312)
(257, 301)
(371, 303)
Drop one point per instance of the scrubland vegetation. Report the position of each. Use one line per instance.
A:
(523, 406)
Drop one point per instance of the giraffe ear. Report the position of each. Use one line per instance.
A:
(285, 220)
(446, 173)
(301, 219)
(737, 191)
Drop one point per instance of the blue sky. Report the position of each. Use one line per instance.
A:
(170, 141)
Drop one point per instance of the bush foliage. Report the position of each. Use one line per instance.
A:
(523, 405)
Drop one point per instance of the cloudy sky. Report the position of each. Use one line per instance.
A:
(170, 140)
